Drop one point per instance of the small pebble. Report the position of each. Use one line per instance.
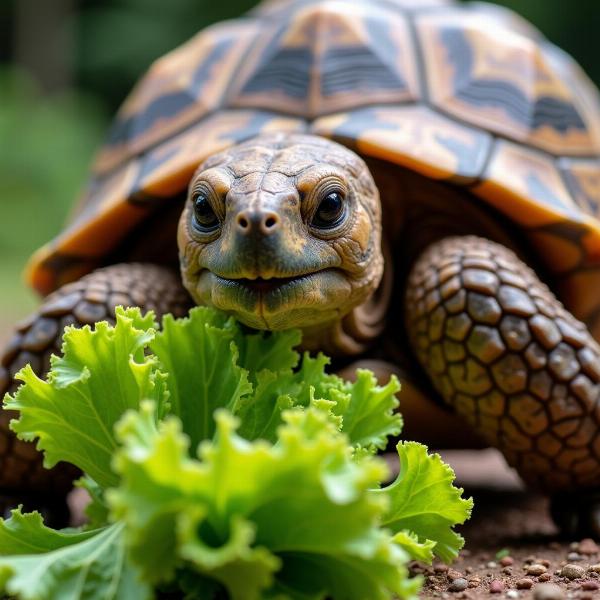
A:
(590, 585)
(458, 585)
(574, 546)
(512, 594)
(574, 556)
(585, 596)
(594, 568)
(588, 546)
(468, 570)
(524, 584)
(454, 574)
(507, 571)
(572, 571)
(544, 577)
(492, 565)
(440, 568)
(545, 562)
(535, 569)
(547, 591)
(507, 561)
(529, 559)
(496, 587)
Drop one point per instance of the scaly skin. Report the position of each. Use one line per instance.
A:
(507, 356)
(90, 299)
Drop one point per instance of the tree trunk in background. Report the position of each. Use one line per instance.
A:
(43, 41)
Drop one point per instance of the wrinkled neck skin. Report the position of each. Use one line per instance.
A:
(284, 231)
(354, 333)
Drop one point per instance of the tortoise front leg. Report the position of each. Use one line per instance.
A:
(92, 298)
(507, 356)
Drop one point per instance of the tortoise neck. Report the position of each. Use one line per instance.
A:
(355, 332)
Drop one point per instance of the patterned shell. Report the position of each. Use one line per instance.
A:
(471, 94)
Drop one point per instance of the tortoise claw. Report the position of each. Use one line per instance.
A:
(577, 515)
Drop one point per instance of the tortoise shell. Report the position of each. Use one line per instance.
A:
(471, 94)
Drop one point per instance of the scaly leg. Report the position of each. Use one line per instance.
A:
(508, 357)
(92, 298)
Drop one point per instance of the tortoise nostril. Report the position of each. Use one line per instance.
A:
(258, 222)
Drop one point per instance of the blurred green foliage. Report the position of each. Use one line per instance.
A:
(573, 26)
(44, 154)
(118, 39)
(47, 140)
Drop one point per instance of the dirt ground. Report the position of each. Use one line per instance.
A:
(512, 546)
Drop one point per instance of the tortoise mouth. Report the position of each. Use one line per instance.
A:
(262, 285)
(277, 302)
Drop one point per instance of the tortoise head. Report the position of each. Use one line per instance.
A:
(282, 231)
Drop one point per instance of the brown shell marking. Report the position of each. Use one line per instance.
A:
(526, 185)
(504, 82)
(412, 136)
(583, 179)
(179, 89)
(329, 57)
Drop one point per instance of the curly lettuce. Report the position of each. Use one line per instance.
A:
(223, 464)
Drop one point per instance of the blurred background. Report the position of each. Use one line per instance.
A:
(66, 65)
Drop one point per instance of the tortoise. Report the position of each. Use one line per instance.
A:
(413, 183)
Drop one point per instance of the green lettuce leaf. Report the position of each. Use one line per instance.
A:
(274, 351)
(369, 411)
(300, 521)
(424, 501)
(38, 562)
(213, 363)
(102, 373)
(417, 550)
(200, 356)
(278, 496)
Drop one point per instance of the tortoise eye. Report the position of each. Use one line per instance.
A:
(330, 211)
(205, 218)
